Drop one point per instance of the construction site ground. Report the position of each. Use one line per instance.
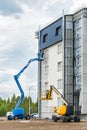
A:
(40, 124)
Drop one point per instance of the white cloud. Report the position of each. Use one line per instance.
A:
(26, 8)
(9, 71)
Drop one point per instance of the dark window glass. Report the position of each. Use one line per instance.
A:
(45, 37)
(58, 31)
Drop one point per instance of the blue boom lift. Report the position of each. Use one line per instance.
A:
(18, 113)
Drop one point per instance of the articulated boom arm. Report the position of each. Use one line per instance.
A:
(59, 95)
(49, 95)
(39, 58)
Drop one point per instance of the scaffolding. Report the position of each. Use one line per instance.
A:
(68, 59)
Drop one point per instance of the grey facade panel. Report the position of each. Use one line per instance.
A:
(51, 34)
(68, 59)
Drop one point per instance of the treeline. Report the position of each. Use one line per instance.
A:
(9, 105)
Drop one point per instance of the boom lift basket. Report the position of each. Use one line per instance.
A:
(44, 95)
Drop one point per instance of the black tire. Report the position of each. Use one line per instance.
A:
(54, 118)
(69, 119)
(76, 119)
(9, 117)
(27, 117)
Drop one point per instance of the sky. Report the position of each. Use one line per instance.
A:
(19, 20)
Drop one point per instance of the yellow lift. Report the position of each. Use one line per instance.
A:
(66, 110)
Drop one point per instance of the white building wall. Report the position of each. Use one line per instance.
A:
(84, 65)
(50, 76)
(82, 16)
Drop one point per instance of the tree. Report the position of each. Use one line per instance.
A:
(9, 105)
(3, 110)
(36, 107)
(25, 105)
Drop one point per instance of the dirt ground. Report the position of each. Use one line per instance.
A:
(37, 124)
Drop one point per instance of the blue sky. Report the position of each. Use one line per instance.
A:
(19, 19)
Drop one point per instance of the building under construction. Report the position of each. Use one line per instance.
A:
(64, 47)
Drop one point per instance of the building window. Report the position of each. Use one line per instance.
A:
(46, 77)
(46, 69)
(59, 66)
(59, 48)
(45, 37)
(59, 83)
(46, 85)
(77, 24)
(58, 31)
(46, 55)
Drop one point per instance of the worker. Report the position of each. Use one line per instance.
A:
(47, 93)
